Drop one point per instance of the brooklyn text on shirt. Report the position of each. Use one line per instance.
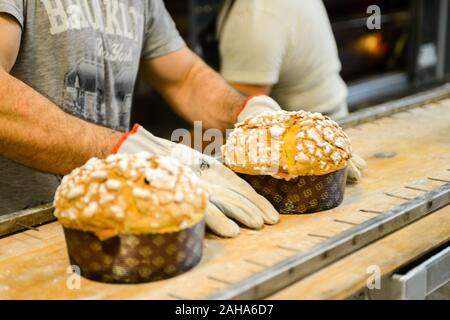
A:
(118, 19)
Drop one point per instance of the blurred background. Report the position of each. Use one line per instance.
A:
(410, 53)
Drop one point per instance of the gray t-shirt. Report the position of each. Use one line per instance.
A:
(84, 56)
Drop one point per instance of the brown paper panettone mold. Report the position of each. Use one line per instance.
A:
(306, 194)
(132, 218)
(135, 258)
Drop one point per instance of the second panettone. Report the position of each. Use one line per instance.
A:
(297, 160)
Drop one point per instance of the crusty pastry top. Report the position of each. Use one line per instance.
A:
(286, 145)
(130, 194)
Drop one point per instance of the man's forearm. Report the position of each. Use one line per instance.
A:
(193, 89)
(210, 98)
(37, 133)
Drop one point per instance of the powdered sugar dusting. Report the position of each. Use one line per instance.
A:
(102, 189)
(113, 184)
(90, 210)
(141, 193)
(320, 145)
(75, 192)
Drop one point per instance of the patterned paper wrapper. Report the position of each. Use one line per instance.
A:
(135, 258)
(305, 194)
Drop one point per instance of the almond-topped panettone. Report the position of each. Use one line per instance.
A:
(287, 145)
(297, 160)
(131, 194)
(132, 218)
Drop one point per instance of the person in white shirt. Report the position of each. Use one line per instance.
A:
(285, 49)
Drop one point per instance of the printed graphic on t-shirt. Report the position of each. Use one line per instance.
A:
(84, 95)
(99, 86)
(112, 17)
(85, 87)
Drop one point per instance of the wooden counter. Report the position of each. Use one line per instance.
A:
(34, 264)
(350, 274)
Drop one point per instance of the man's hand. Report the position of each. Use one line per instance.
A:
(33, 130)
(193, 89)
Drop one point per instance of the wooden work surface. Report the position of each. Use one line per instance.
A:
(350, 274)
(34, 264)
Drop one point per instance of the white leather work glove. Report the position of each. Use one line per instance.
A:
(261, 103)
(356, 166)
(230, 196)
(257, 104)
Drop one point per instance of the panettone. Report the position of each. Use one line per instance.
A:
(132, 218)
(297, 160)
(130, 194)
(287, 145)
